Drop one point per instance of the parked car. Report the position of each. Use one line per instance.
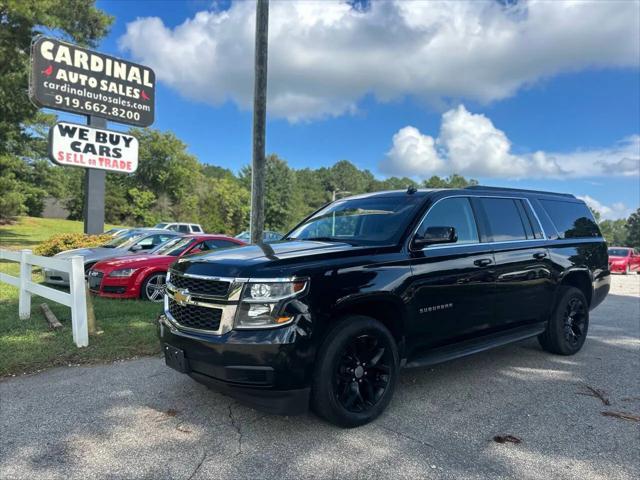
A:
(624, 260)
(267, 236)
(144, 276)
(180, 227)
(129, 243)
(114, 232)
(375, 282)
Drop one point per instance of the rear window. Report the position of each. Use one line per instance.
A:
(571, 219)
(505, 220)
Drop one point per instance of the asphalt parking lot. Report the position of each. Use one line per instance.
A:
(139, 419)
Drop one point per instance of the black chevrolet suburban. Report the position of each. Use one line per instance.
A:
(366, 285)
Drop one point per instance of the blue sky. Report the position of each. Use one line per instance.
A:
(342, 86)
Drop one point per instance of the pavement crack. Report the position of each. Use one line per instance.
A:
(204, 456)
(235, 424)
(410, 437)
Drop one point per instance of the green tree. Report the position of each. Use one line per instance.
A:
(633, 229)
(224, 206)
(20, 20)
(614, 231)
(452, 181)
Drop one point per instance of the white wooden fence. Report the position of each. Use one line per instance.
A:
(76, 298)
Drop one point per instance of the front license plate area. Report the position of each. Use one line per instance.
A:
(174, 358)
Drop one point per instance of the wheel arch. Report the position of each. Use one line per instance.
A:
(386, 308)
(580, 279)
(144, 275)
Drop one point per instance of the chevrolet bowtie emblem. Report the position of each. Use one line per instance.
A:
(182, 297)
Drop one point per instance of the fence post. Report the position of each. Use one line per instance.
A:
(78, 302)
(24, 299)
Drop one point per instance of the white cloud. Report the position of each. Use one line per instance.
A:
(608, 212)
(470, 144)
(324, 56)
(413, 152)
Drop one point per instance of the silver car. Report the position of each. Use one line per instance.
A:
(129, 243)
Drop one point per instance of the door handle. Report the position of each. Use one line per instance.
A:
(539, 255)
(483, 262)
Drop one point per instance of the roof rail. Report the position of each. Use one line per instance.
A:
(498, 189)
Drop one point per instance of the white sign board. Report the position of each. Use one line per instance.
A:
(81, 146)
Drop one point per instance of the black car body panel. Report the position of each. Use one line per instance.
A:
(451, 299)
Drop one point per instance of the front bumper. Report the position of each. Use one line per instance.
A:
(54, 277)
(618, 267)
(267, 369)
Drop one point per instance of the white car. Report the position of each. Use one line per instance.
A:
(180, 227)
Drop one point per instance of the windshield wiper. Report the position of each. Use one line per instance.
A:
(328, 239)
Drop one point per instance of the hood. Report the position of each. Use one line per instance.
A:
(135, 261)
(245, 261)
(93, 254)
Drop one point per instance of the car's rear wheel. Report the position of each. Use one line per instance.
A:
(356, 372)
(154, 286)
(569, 323)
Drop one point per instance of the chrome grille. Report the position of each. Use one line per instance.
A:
(193, 316)
(200, 286)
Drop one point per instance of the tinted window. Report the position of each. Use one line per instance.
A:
(220, 244)
(619, 252)
(456, 213)
(504, 220)
(195, 228)
(364, 220)
(571, 219)
(183, 228)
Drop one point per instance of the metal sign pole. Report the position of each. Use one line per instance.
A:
(259, 122)
(94, 187)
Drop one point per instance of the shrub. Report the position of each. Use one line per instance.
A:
(67, 241)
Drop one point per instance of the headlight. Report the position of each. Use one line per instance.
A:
(125, 272)
(261, 304)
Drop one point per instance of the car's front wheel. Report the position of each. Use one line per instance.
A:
(356, 372)
(154, 286)
(569, 323)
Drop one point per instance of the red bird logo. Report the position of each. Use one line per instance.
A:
(144, 95)
(48, 71)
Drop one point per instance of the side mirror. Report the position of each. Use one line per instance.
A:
(136, 248)
(436, 235)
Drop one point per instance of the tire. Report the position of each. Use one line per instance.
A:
(569, 323)
(151, 289)
(356, 372)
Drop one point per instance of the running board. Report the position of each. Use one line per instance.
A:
(469, 347)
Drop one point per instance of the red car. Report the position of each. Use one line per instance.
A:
(144, 276)
(624, 260)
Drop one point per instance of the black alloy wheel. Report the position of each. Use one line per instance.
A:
(568, 324)
(575, 318)
(362, 374)
(356, 372)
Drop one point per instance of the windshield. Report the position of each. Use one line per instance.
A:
(174, 247)
(618, 252)
(375, 220)
(120, 240)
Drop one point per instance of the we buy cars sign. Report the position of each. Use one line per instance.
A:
(80, 146)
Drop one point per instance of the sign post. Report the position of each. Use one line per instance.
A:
(94, 187)
(73, 79)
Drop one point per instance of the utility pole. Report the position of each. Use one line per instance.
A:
(259, 121)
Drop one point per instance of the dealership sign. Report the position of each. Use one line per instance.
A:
(81, 146)
(70, 78)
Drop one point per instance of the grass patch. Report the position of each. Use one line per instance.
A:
(28, 346)
(27, 232)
